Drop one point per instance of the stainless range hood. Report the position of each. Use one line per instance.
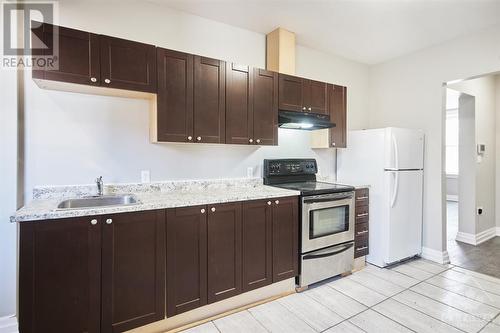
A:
(303, 120)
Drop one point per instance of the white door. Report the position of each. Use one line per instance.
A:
(404, 149)
(404, 196)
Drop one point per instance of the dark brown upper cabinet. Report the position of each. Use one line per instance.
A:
(60, 276)
(127, 65)
(174, 112)
(186, 259)
(209, 105)
(133, 270)
(251, 105)
(302, 95)
(257, 264)
(285, 238)
(78, 59)
(338, 115)
(224, 251)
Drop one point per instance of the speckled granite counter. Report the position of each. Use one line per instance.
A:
(151, 196)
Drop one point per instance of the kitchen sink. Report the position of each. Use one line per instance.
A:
(99, 201)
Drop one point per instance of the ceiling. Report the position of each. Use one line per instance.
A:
(368, 31)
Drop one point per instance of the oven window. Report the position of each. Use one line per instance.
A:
(328, 221)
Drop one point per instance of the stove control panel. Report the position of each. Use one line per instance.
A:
(290, 167)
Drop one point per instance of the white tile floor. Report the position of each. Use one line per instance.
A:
(417, 296)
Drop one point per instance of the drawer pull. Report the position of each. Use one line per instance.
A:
(362, 232)
(269, 203)
(212, 209)
(362, 198)
(109, 221)
(93, 221)
(362, 215)
(202, 210)
(361, 248)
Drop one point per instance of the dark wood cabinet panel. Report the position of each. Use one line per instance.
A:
(127, 65)
(186, 259)
(239, 91)
(285, 238)
(337, 102)
(175, 96)
(224, 251)
(257, 244)
(209, 100)
(60, 276)
(361, 240)
(291, 93)
(316, 97)
(133, 270)
(77, 54)
(264, 112)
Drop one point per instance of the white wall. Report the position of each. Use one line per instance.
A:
(72, 138)
(452, 186)
(497, 149)
(408, 92)
(483, 123)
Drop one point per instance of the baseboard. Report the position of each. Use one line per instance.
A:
(452, 197)
(436, 256)
(476, 239)
(8, 324)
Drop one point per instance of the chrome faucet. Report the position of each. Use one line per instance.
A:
(100, 185)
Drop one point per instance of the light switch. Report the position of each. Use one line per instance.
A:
(145, 176)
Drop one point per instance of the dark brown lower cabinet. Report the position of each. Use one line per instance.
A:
(186, 259)
(285, 238)
(224, 251)
(257, 244)
(60, 276)
(133, 270)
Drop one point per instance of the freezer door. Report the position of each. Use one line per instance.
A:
(404, 227)
(404, 149)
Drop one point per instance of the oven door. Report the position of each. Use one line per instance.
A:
(327, 220)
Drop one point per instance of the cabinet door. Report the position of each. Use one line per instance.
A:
(175, 96)
(224, 251)
(133, 270)
(291, 93)
(264, 112)
(257, 244)
(78, 56)
(285, 238)
(338, 115)
(60, 276)
(127, 65)
(186, 259)
(209, 100)
(238, 104)
(316, 97)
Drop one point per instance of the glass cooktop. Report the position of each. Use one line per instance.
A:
(313, 187)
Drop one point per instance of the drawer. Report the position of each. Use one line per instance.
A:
(361, 229)
(362, 214)
(362, 197)
(361, 246)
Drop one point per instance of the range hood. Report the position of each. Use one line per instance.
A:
(303, 120)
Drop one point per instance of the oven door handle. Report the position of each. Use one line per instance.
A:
(310, 201)
(328, 254)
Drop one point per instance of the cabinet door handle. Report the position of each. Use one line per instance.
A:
(93, 221)
(269, 203)
(213, 209)
(361, 198)
(361, 248)
(309, 108)
(277, 202)
(362, 215)
(93, 79)
(108, 81)
(250, 140)
(333, 144)
(198, 138)
(258, 140)
(362, 232)
(109, 221)
(190, 138)
(304, 108)
(202, 210)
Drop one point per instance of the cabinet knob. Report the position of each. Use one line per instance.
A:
(250, 140)
(93, 221)
(277, 202)
(93, 79)
(202, 210)
(258, 140)
(212, 209)
(109, 221)
(269, 203)
(198, 138)
(108, 81)
(190, 138)
(309, 108)
(304, 108)
(333, 144)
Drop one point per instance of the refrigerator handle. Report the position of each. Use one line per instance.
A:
(396, 154)
(395, 190)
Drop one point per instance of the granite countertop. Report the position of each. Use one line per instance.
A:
(151, 196)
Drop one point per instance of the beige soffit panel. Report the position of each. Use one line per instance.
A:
(280, 51)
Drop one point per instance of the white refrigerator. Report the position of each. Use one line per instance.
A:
(391, 161)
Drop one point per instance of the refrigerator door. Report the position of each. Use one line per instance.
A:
(404, 149)
(404, 218)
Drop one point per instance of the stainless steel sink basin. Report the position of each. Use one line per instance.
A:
(99, 201)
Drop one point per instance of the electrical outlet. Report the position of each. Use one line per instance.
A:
(249, 172)
(145, 176)
(479, 210)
